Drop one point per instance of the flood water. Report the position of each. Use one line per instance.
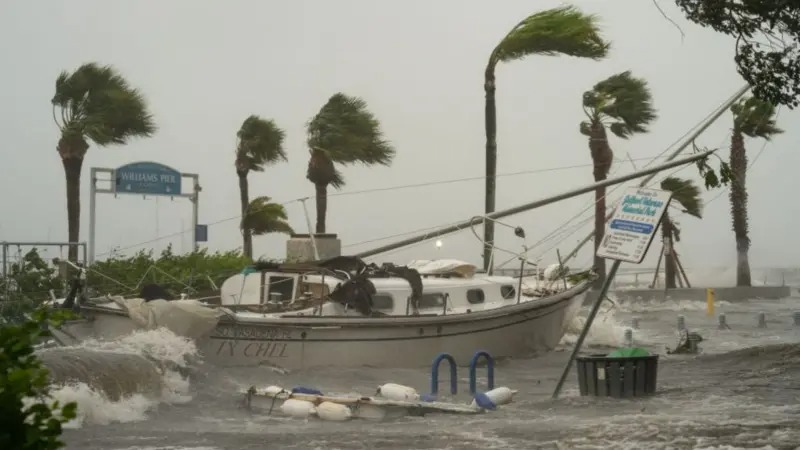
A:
(743, 391)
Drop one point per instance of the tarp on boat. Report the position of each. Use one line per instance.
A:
(443, 267)
(188, 318)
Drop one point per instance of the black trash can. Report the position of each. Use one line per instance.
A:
(603, 376)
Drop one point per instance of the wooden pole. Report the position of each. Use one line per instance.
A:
(680, 267)
(658, 266)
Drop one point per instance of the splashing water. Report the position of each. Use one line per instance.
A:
(121, 380)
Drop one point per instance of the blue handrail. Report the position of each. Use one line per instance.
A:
(435, 373)
(489, 367)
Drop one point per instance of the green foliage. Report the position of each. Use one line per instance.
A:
(190, 273)
(260, 143)
(685, 193)
(27, 285)
(621, 102)
(96, 102)
(710, 177)
(344, 131)
(755, 118)
(263, 216)
(564, 30)
(767, 37)
(27, 420)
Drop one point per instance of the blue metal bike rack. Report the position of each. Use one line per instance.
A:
(435, 373)
(489, 367)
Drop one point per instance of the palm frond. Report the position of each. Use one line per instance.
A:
(260, 143)
(686, 193)
(624, 99)
(755, 118)
(322, 170)
(564, 30)
(349, 133)
(98, 102)
(262, 217)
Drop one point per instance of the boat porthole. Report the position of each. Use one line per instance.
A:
(303, 335)
(439, 329)
(421, 331)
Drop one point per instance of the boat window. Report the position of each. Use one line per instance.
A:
(433, 300)
(382, 302)
(280, 285)
(475, 296)
(508, 291)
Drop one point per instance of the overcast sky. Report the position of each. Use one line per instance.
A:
(419, 65)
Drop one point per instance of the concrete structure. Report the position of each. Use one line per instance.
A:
(300, 247)
(728, 294)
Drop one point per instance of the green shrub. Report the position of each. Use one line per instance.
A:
(27, 420)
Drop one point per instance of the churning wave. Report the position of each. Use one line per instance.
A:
(121, 380)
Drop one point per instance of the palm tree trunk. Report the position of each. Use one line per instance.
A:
(322, 206)
(601, 160)
(244, 198)
(670, 269)
(490, 116)
(738, 196)
(72, 173)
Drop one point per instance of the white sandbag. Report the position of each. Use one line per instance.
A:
(271, 391)
(333, 411)
(398, 392)
(499, 396)
(371, 412)
(298, 408)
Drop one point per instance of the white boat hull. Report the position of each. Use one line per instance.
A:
(521, 330)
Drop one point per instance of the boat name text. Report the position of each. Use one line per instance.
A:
(253, 349)
(245, 332)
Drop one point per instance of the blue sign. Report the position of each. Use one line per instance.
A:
(201, 233)
(629, 225)
(148, 178)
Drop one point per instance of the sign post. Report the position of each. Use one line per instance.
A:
(627, 237)
(142, 178)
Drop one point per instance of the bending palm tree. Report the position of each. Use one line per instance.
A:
(623, 104)
(688, 197)
(262, 217)
(565, 31)
(754, 118)
(95, 104)
(343, 132)
(260, 143)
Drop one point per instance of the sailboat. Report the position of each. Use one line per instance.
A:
(345, 312)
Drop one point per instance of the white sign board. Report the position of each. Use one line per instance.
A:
(632, 227)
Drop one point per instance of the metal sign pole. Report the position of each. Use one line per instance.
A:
(92, 215)
(585, 331)
(195, 207)
(310, 231)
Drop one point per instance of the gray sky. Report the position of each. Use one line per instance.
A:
(419, 65)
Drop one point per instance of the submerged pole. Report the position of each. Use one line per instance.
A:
(596, 307)
(533, 205)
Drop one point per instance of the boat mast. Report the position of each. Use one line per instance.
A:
(533, 205)
(724, 107)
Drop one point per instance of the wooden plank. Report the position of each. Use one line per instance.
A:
(614, 379)
(641, 367)
(582, 384)
(591, 377)
(602, 382)
(628, 383)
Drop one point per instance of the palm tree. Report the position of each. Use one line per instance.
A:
(623, 104)
(260, 143)
(754, 118)
(93, 103)
(687, 195)
(559, 31)
(343, 132)
(263, 217)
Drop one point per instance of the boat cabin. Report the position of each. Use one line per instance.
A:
(448, 286)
